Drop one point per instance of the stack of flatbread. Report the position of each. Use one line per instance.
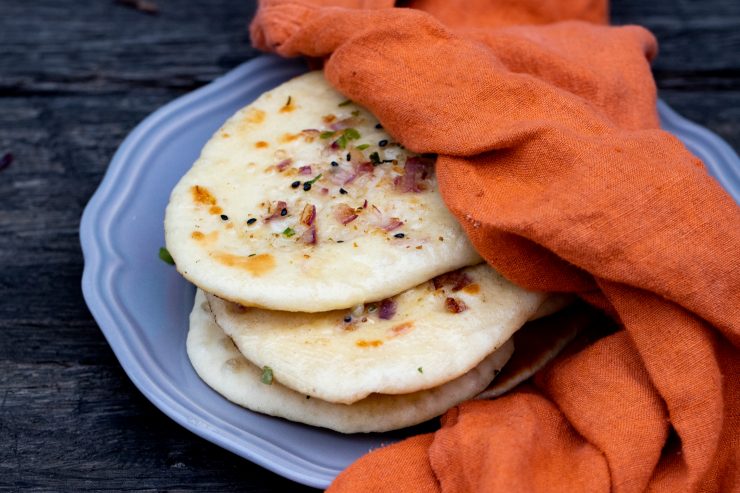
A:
(335, 288)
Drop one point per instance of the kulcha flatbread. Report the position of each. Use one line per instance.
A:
(219, 363)
(301, 202)
(419, 339)
(537, 343)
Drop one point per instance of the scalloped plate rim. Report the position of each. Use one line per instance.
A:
(98, 280)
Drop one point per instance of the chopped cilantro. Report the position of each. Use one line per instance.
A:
(326, 135)
(266, 375)
(363, 147)
(311, 182)
(356, 113)
(288, 232)
(420, 369)
(345, 102)
(165, 256)
(347, 135)
(351, 133)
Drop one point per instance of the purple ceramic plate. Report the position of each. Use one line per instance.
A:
(142, 305)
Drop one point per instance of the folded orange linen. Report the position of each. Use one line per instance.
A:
(550, 156)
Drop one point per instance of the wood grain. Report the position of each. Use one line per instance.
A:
(75, 78)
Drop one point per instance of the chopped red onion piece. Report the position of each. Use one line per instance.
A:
(309, 236)
(393, 223)
(308, 215)
(455, 306)
(283, 164)
(276, 210)
(416, 170)
(387, 309)
(457, 279)
(344, 213)
(304, 170)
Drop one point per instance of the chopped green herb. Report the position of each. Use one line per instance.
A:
(266, 375)
(347, 135)
(351, 133)
(420, 369)
(356, 113)
(288, 232)
(363, 147)
(311, 182)
(290, 99)
(251, 255)
(327, 135)
(165, 256)
(375, 158)
(345, 102)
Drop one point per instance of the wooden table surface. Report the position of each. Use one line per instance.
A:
(75, 78)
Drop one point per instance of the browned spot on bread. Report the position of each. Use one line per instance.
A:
(364, 343)
(255, 115)
(201, 195)
(215, 210)
(472, 288)
(289, 106)
(261, 144)
(256, 265)
(288, 137)
(401, 329)
(205, 238)
(328, 118)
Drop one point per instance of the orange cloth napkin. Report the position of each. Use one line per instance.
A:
(550, 156)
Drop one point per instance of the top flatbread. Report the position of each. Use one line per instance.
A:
(283, 212)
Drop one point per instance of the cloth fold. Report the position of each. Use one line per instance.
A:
(550, 156)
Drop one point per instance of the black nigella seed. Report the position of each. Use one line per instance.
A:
(295, 184)
(348, 319)
(224, 217)
(340, 241)
(342, 191)
(383, 143)
(399, 235)
(306, 187)
(378, 125)
(334, 163)
(349, 156)
(251, 220)
(284, 212)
